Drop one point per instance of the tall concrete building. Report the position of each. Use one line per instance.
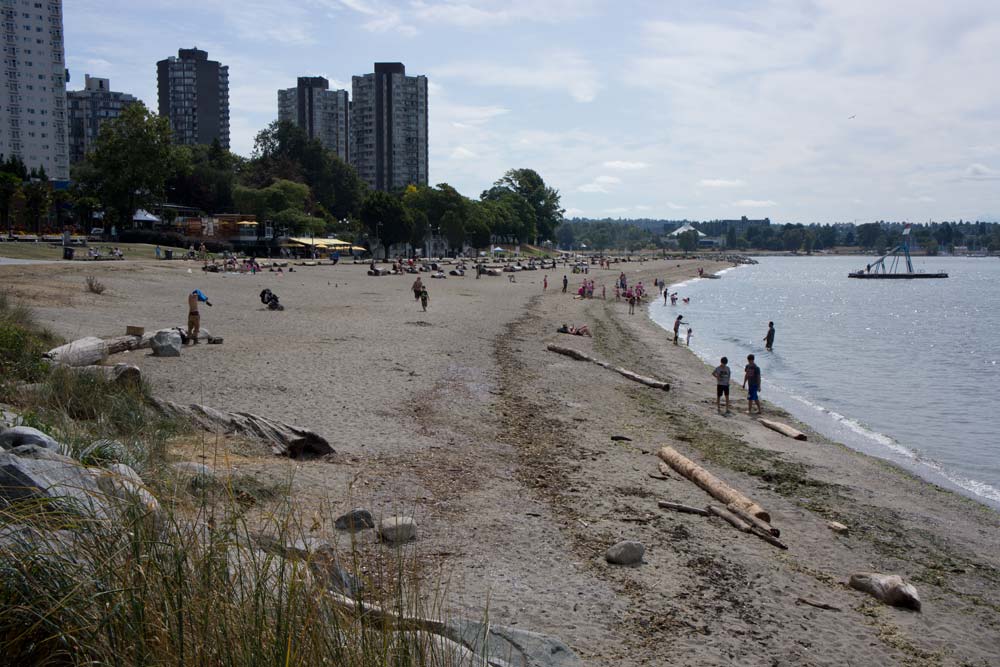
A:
(321, 112)
(389, 127)
(88, 110)
(193, 93)
(33, 91)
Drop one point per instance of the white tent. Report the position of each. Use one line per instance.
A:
(684, 228)
(142, 215)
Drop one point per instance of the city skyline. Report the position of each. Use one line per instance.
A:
(831, 111)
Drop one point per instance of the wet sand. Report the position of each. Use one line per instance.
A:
(503, 453)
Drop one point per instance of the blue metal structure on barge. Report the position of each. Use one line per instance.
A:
(882, 270)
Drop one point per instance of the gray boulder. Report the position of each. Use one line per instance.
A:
(199, 475)
(625, 553)
(511, 646)
(31, 472)
(124, 483)
(355, 520)
(25, 435)
(320, 555)
(166, 343)
(397, 529)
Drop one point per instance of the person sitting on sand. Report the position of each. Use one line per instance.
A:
(575, 331)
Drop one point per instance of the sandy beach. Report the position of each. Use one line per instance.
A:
(503, 453)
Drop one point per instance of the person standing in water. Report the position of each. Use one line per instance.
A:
(677, 328)
(769, 338)
(194, 317)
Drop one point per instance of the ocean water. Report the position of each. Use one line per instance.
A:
(905, 370)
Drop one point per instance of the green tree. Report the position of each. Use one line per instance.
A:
(565, 236)
(543, 200)
(37, 199)
(477, 230)
(132, 159)
(453, 229)
(868, 234)
(386, 219)
(688, 241)
(10, 187)
(731, 237)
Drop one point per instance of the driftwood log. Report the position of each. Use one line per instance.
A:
(710, 483)
(889, 588)
(284, 439)
(120, 344)
(687, 509)
(631, 375)
(784, 429)
(82, 352)
(120, 374)
(730, 518)
(752, 520)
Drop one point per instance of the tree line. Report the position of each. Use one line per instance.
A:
(875, 236)
(290, 182)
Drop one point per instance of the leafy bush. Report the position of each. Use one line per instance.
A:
(22, 343)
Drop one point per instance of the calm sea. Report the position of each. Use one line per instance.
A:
(905, 370)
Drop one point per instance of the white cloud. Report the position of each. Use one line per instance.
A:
(755, 203)
(674, 207)
(643, 207)
(565, 71)
(462, 153)
(573, 212)
(625, 165)
(980, 172)
(720, 183)
(601, 183)
(617, 209)
(496, 14)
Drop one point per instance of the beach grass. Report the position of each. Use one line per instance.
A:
(202, 574)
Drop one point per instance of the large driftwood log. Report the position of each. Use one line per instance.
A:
(120, 374)
(631, 375)
(83, 352)
(284, 439)
(120, 344)
(710, 483)
(784, 429)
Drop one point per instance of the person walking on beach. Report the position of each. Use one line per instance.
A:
(194, 317)
(631, 302)
(769, 338)
(677, 328)
(751, 377)
(565, 284)
(721, 374)
(545, 283)
(424, 298)
(417, 288)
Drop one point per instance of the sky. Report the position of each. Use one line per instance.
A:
(807, 111)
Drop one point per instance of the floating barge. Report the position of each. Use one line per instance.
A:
(882, 270)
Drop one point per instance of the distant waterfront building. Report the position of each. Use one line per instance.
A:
(193, 94)
(324, 114)
(389, 127)
(88, 110)
(33, 92)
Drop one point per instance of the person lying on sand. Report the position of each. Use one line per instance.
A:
(576, 331)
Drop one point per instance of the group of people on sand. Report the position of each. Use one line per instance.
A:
(751, 377)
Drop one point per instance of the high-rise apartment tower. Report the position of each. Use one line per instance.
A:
(389, 127)
(33, 90)
(321, 112)
(193, 93)
(88, 110)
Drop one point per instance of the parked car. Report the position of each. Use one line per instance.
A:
(96, 234)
